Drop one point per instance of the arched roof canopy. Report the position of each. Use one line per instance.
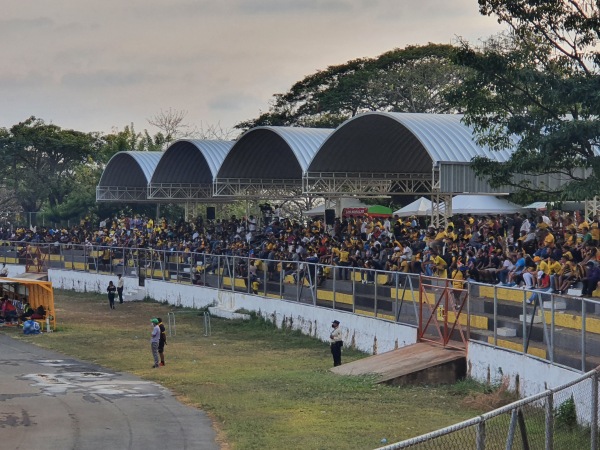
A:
(187, 169)
(382, 153)
(268, 158)
(386, 142)
(127, 175)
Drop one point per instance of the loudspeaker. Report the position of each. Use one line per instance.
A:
(329, 216)
(210, 213)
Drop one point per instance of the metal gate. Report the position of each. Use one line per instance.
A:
(441, 307)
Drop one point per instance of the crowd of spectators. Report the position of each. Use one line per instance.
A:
(512, 250)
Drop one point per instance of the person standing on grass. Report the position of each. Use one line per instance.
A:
(162, 341)
(336, 343)
(154, 341)
(120, 284)
(111, 289)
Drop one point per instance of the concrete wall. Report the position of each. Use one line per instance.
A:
(527, 375)
(15, 270)
(485, 363)
(364, 333)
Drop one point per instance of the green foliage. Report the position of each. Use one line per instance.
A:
(38, 161)
(566, 415)
(413, 79)
(536, 89)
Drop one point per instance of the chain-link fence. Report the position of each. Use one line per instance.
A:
(565, 417)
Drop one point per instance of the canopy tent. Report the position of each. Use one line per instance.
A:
(483, 204)
(564, 206)
(346, 202)
(420, 207)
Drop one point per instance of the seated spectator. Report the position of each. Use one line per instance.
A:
(8, 310)
(30, 326)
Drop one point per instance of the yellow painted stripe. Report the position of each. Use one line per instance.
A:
(238, 282)
(480, 322)
(56, 257)
(277, 296)
(363, 312)
(592, 325)
(9, 260)
(540, 353)
(339, 298)
(512, 295)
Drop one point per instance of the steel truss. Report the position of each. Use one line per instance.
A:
(257, 188)
(369, 184)
(121, 194)
(180, 191)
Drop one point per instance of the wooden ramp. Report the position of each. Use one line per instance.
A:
(422, 363)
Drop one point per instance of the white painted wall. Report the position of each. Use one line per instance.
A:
(364, 333)
(367, 334)
(14, 270)
(529, 376)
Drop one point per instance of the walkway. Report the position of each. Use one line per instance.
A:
(51, 401)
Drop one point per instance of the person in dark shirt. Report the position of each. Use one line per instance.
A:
(111, 290)
(162, 341)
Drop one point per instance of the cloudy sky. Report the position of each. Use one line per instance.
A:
(100, 65)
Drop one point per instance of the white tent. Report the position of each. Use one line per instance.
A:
(420, 207)
(347, 202)
(483, 204)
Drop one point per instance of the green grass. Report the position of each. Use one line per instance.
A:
(263, 387)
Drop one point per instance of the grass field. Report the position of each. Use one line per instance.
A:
(264, 388)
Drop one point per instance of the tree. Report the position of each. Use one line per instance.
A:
(173, 126)
(536, 90)
(37, 161)
(413, 79)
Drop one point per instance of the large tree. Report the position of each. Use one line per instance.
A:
(413, 79)
(38, 161)
(536, 90)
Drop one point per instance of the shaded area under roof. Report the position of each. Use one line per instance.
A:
(385, 142)
(130, 169)
(192, 161)
(273, 153)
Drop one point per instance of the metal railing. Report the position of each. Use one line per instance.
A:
(561, 329)
(565, 417)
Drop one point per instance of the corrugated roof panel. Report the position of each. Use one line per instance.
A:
(399, 143)
(192, 161)
(265, 152)
(130, 169)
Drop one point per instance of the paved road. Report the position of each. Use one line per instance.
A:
(50, 401)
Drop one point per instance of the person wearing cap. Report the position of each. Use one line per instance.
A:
(336, 343)
(154, 341)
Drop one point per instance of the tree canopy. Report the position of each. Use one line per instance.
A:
(536, 88)
(413, 79)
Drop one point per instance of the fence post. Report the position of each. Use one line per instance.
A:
(594, 407)
(550, 421)
(481, 435)
(583, 332)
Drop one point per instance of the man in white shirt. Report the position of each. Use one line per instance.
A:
(336, 343)
(120, 285)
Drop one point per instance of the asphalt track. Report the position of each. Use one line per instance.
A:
(50, 401)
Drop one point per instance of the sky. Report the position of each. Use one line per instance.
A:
(102, 65)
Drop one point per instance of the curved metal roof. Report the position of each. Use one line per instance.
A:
(273, 153)
(386, 142)
(130, 169)
(192, 161)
